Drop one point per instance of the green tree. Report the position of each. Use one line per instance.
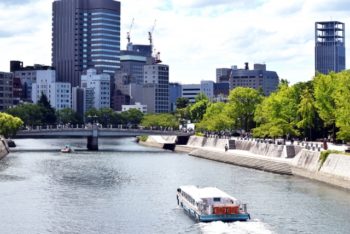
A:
(9, 124)
(182, 103)
(324, 92)
(307, 111)
(198, 109)
(132, 116)
(160, 120)
(215, 118)
(103, 116)
(30, 114)
(48, 113)
(277, 115)
(242, 105)
(342, 101)
(68, 115)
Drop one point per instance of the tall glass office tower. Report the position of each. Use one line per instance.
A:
(85, 34)
(329, 46)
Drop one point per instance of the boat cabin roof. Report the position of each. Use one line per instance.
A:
(206, 192)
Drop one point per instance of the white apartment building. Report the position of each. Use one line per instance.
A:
(137, 106)
(100, 86)
(190, 91)
(58, 93)
(207, 87)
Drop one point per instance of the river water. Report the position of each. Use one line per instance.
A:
(128, 188)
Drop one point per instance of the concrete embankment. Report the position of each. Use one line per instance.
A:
(163, 142)
(282, 159)
(4, 149)
(241, 153)
(335, 170)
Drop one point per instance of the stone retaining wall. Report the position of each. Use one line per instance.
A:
(335, 170)
(4, 150)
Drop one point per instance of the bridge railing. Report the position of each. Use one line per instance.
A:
(110, 127)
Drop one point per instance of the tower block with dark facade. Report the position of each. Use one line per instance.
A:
(329, 46)
(85, 34)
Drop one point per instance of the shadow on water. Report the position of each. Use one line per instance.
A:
(5, 164)
(89, 173)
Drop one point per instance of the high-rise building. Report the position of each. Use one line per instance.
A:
(129, 79)
(6, 90)
(156, 88)
(329, 46)
(257, 78)
(85, 34)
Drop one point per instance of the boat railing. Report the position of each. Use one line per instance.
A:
(244, 208)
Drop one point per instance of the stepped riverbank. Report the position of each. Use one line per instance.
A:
(282, 159)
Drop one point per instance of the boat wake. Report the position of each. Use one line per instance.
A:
(250, 227)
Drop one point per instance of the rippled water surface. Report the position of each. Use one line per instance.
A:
(131, 189)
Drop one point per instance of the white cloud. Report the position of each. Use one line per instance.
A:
(194, 36)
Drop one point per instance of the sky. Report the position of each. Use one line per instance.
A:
(194, 37)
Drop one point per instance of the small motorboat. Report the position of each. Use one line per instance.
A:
(67, 149)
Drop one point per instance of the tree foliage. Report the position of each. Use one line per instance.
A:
(132, 116)
(342, 102)
(198, 109)
(160, 120)
(67, 115)
(182, 103)
(242, 105)
(48, 113)
(277, 115)
(216, 118)
(9, 124)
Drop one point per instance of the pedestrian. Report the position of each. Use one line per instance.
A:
(325, 146)
(226, 148)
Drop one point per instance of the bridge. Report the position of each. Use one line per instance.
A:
(93, 132)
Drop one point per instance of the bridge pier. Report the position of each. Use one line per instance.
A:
(92, 141)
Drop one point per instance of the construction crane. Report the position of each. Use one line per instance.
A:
(150, 33)
(128, 33)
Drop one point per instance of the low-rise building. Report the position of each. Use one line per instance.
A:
(58, 93)
(137, 106)
(207, 87)
(190, 91)
(175, 90)
(257, 78)
(99, 85)
(27, 76)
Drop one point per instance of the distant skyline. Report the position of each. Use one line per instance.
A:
(194, 36)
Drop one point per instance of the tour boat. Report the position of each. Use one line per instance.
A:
(211, 204)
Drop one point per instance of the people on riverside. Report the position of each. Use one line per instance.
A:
(325, 146)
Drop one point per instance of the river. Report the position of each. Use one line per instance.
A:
(128, 188)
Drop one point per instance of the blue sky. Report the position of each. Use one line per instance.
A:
(194, 36)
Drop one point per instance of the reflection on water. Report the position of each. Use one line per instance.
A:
(131, 189)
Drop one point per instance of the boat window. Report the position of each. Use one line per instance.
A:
(217, 199)
(179, 190)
